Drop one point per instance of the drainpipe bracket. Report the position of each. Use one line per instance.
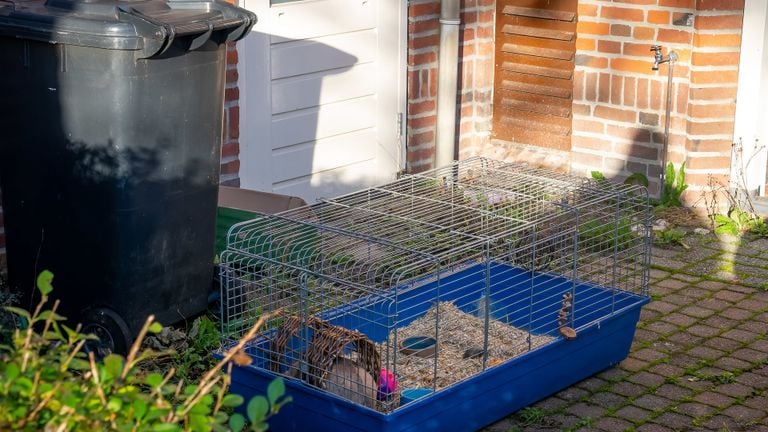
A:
(449, 21)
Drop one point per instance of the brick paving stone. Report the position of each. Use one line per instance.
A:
(685, 339)
(728, 295)
(654, 427)
(652, 402)
(760, 345)
(565, 421)
(686, 278)
(661, 327)
(753, 304)
(743, 414)
(710, 371)
(703, 330)
(736, 313)
(633, 364)
(697, 312)
(649, 315)
(716, 400)
(749, 355)
(592, 384)
(721, 423)
(734, 390)
(659, 274)
(758, 403)
(673, 420)
(720, 322)
(571, 394)
(756, 381)
(761, 370)
(643, 335)
(613, 374)
(682, 360)
(673, 344)
(632, 413)
(753, 325)
(714, 304)
(722, 344)
(742, 289)
(646, 379)
(583, 410)
(673, 391)
(648, 354)
(705, 353)
(731, 363)
(712, 285)
(551, 403)
(695, 294)
(666, 370)
(694, 383)
(671, 283)
(608, 400)
(740, 335)
(661, 306)
(609, 424)
(694, 409)
(628, 389)
(679, 319)
(677, 299)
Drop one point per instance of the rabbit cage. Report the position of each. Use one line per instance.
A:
(440, 301)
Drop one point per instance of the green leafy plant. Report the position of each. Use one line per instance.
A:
(736, 222)
(204, 337)
(531, 415)
(49, 382)
(670, 236)
(674, 186)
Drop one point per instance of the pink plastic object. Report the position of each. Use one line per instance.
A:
(387, 385)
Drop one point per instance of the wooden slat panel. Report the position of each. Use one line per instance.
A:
(306, 91)
(539, 13)
(325, 53)
(533, 98)
(537, 70)
(538, 32)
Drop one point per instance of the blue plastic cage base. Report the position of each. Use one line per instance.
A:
(489, 395)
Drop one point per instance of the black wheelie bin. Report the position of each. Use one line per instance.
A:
(111, 120)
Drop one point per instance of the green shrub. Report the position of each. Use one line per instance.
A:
(49, 382)
(674, 186)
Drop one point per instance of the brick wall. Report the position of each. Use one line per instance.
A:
(619, 102)
(475, 78)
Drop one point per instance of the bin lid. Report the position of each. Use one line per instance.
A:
(146, 25)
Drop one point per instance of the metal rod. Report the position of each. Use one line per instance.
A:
(672, 58)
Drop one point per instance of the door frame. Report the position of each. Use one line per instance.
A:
(255, 94)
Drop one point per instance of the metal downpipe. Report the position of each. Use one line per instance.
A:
(447, 73)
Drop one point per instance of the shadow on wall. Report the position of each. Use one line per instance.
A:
(110, 170)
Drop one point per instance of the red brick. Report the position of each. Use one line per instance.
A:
(687, 4)
(604, 88)
(421, 122)
(581, 109)
(626, 116)
(714, 77)
(712, 110)
(642, 93)
(631, 65)
(621, 14)
(617, 84)
(231, 76)
(422, 58)
(588, 27)
(420, 154)
(644, 33)
(587, 10)
(414, 85)
(674, 36)
(231, 167)
(638, 151)
(231, 56)
(590, 143)
(629, 133)
(424, 26)
(581, 125)
(586, 159)
(658, 17)
(621, 30)
(720, 4)
(637, 2)
(231, 94)
(578, 85)
(590, 87)
(708, 162)
(433, 82)
(713, 93)
(708, 145)
(234, 122)
(585, 44)
(230, 149)
(717, 40)
(424, 41)
(718, 22)
(422, 9)
(710, 128)
(485, 32)
(629, 91)
(421, 138)
(636, 49)
(681, 103)
(715, 59)
(416, 108)
(657, 93)
(609, 46)
(591, 61)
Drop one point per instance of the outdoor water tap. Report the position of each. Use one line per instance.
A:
(658, 58)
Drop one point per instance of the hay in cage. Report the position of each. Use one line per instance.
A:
(459, 332)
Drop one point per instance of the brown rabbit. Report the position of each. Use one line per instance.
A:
(346, 379)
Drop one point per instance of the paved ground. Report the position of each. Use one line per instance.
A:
(700, 355)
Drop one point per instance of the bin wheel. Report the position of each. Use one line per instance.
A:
(110, 329)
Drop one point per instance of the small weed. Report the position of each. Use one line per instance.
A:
(672, 380)
(656, 296)
(725, 378)
(674, 186)
(584, 422)
(670, 236)
(531, 415)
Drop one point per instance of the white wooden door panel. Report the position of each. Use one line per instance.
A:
(322, 122)
(333, 52)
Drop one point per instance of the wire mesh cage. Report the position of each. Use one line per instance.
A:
(427, 281)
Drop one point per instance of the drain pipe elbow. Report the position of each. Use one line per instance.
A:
(447, 78)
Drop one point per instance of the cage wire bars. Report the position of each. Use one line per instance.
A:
(490, 260)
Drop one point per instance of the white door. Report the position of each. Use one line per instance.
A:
(322, 85)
